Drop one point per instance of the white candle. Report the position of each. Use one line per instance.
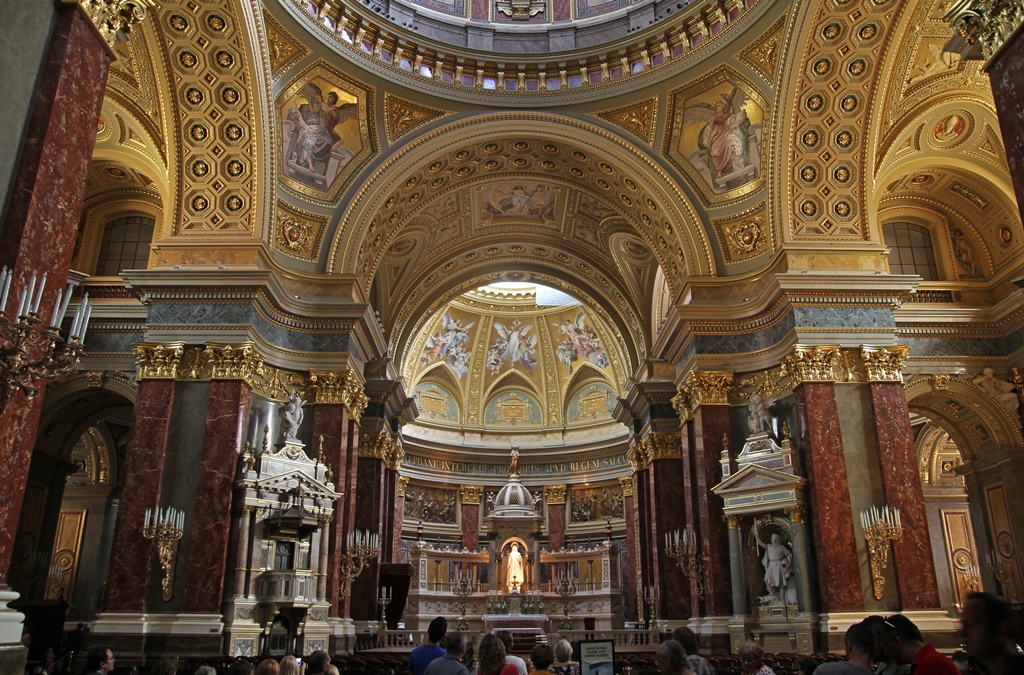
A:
(21, 302)
(64, 305)
(31, 293)
(88, 314)
(39, 295)
(56, 308)
(5, 287)
(148, 515)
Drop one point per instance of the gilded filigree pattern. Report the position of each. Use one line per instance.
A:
(283, 49)
(158, 361)
(639, 118)
(884, 364)
(763, 54)
(554, 494)
(745, 237)
(813, 363)
(297, 233)
(402, 116)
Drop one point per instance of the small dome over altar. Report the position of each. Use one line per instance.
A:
(513, 500)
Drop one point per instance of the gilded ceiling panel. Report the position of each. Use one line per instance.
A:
(763, 54)
(746, 235)
(402, 117)
(326, 131)
(283, 48)
(298, 233)
(639, 119)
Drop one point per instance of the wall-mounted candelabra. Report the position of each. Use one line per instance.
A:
(972, 579)
(362, 547)
(383, 599)
(166, 526)
(683, 548)
(565, 586)
(31, 350)
(880, 527)
(651, 598)
(463, 588)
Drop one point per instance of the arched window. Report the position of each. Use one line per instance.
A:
(911, 250)
(125, 245)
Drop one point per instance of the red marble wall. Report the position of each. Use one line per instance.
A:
(689, 492)
(711, 423)
(561, 10)
(1006, 75)
(399, 518)
(832, 515)
(45, 204)
(647, 551)
(371, 516)
(901, 484)
(666, 494)
(556, 526)
(333, 423)
(471, 526)
(480, 9)
(226, 417)
(632, 555)
(132, 554)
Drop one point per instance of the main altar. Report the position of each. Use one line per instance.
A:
(515, 583)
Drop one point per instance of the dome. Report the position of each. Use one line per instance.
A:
(513, 500)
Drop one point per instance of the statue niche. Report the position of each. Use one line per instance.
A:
(773, 570)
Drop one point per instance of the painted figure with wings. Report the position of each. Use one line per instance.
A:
(314, 139)
(446, 345)
(580, 340)
(513, 344)
(722, 142)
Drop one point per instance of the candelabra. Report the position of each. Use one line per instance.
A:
(383, 599)
(165, 525)
(55, 581)
(651, 598)
(463, 588)
(30, 350)
(972, 579)
(362, 547)
(684, 550)
(565, 586)
(880, 527)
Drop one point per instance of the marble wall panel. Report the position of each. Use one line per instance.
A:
(711, 423)
(667, 515)
(372, 515)
(556, 526)
(471, 526)
(1006, 73)
(332, 422)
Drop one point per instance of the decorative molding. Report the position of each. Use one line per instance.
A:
(763, 54)
(232, 362)
(402, 116)
(638, 119)
(626, 482)
(554, 494)
(298, 234)
(884, 364)
(982, 27)
(331, 387)
(813, 364)
(111, 17)
(284, 50)
(158, 361)
(471, 494)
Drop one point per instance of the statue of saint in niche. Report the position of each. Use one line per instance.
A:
(515, 576)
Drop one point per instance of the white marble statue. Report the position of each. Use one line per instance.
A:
(778, 573)
(760, 420)
(291, 417)
(515, 576)
(1001, 390)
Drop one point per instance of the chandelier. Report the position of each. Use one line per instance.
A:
(31, 350)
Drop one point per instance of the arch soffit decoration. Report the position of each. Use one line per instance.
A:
(381, 209)
(975, 421)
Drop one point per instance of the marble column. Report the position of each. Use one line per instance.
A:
(227, 416)
(665, 475)
(1006, 76)
(371, 515)
(629, 573)
(400, 486)
(38, 232)
(802, 558)
(901, 478)
(470, 496)
(554, 504)
(131, 553)
(339, 403)
(711, 426)
(821, 445)
(736, 566)
(645, 548)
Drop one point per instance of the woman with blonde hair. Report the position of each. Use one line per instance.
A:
(564, 665)
(290, 666)
(491, 657)
(268, 667)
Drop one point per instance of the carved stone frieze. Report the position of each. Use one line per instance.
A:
(884, 364)
(813, 363)
(599, 503)
(432, 505)
(471, 494)
(158, 361)
(339, 388)
(554, 494)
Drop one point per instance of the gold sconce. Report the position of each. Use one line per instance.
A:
(684, 550)
(166, 526)
(880, 527)
(362, 548)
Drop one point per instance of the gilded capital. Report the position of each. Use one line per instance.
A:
(403, 482)
(733, 522)
(884, 364)
(554, 494)
(982, 27)
(344, 388)
(637, 455)
(376, 445)
(798, 514)
(626, 482)
(158, 361)
(111, 17)
(813, 363)
(232, 362)
(663, 446)
(683, 404)
(471, 494)
(708, 387)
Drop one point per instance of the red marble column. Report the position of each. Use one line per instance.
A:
(371, 515)
(710, 425)
(646, 550)
(331, 421)
(44, 207)
(554, 504)
(226, 416)
(399, 515)
(666, 495)
(632, 555)
(131, 553)
(471, 526)
(1006, 75)
(838, 571)
(901, 484)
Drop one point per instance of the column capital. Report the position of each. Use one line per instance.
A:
(813, 363)
(382, 446)
(158, 361)
(734, 522)
(554, 494)
(232, 362)
(798, 514)
(626, 482)
(111, 17)
(471, 494)
(403, 482)
(702, 387)
(344, 387)
(663, 446)
(981, 27)
(884, 364)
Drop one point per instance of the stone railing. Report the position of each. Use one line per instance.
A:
(289, 588)
(631, 640)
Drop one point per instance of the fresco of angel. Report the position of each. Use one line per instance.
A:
(447, 345)
(513, 344)
(723, 144)
(580, 341)
(314, 151)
